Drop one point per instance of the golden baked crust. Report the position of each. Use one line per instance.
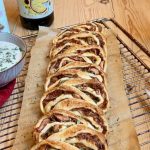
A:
(83, 38)
(89, 112)
(83, 66)
(66, 74)
(55, 121)
(83, 135)
(89, 26)
(92, 90)
(59, 119)
(90, 54)
(54, 145)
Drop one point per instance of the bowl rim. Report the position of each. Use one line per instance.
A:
(25, 50)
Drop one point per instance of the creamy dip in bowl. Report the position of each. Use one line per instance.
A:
(12, 57)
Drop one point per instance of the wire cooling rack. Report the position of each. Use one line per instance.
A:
(137, 85)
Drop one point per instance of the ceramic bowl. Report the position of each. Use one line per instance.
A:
(11, 73)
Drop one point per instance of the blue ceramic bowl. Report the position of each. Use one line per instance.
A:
(11, 73)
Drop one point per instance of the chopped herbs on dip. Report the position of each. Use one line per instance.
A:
(10, 54)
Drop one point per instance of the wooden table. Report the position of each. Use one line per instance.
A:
(133, 15)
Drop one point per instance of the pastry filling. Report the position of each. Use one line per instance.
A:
(53, 95)
(91, 138)
(53, 129)
(68, 33)
(101, 41)
(64, 62)
(75, 41)
(46, 147)
(88, 40)
(96, 86)
(56, 118)
(56, 78)
(92, 70)
(89, 113)
(91, 50)
(82, 146)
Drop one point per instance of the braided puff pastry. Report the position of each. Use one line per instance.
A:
(82, 38)
(81, 108)
(75, 95)
(53, 145)
(85, 110)
(83, 66)
(89, 26)
(78, 135)
(55, 121)
(62, 75)
(60, 119)
(90, 54)
(91, 90)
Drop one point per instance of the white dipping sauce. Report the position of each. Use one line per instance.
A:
(10, 54)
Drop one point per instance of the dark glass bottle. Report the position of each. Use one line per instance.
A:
(35, 13)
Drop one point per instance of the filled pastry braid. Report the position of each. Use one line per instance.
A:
(83, 90)
(85, 110)
(63, 75)
(62, 92)
(60, 119)
(75, 98)
(53, 145)
(55, 121)
(83, 66)
(91, 90)
(89, 26)
(93, 55)
(82, 38)
(81, 135)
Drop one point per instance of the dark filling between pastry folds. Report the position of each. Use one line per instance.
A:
(93, 51)
(97, 86)
(93, 97)
(95, 116)
(96, 99)
(56, 64)
(82, 146)
(53, 95)
(93, 70)
(91, 138)
(56, 118)
(62, 50)
(56, 128)
(51, 131)
(68, 33)
(88, 40)
(56, 78)
(101, 41)
(75, 41)
(46, 147)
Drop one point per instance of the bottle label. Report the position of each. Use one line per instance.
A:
(35, 9)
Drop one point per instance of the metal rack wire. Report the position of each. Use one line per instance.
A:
(137, 80)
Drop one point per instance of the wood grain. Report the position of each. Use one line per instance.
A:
(133, 16)
(75, 11)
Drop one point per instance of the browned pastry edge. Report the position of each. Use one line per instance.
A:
(81, 134)
(45, 145)
(53, 79)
